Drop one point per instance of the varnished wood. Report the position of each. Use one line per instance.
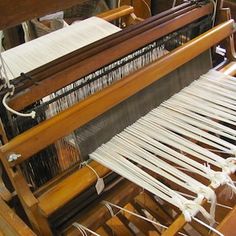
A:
(118, 228)
(3, 136)
(224, 15)
(63, 72)
(142, 225)
(141, 7)
(230, 69)
(52, 200)
(102, 231)
(146, 201)
(117, 13)
(4, 192)
(11, 224)
(227, 226)
(99, 214)
(14, 12)
(69, 188)
(30, 205)
(49, 131)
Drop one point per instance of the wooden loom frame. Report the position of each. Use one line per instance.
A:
(49, 131)
(70, 68)
(11, 224)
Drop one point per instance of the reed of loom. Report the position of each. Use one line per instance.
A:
(177, 57)
(102, 101)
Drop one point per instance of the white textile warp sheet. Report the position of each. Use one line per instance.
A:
(31, 55)
(163, 141)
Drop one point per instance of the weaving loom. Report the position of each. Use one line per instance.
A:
(137, 68)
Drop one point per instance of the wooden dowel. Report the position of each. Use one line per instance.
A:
(116, 13)
(58, 195)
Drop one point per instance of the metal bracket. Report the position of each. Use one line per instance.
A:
(13, 157)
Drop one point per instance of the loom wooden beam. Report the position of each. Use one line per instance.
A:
(68, 69)
(14, 12)
(49, 131)
(227, 226)
(11, 224)
(145, 227)
(116, 13)
(4, 192)
(30, 204)
(69, 188)
(99, 214)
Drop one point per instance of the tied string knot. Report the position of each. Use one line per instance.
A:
(229, 165)
(190, 209)
(219, 178)
(209, 194)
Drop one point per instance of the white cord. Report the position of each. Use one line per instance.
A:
(83, 229)
(214, 12)
(100, 185)
(193, 197)
(8, 94)
(174, 3)
(208, 226)
(91, 168)
(107, 205)
(31, 114)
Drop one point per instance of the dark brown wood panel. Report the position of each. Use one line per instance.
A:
(14, 12)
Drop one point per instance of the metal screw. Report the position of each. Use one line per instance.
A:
(13, 157)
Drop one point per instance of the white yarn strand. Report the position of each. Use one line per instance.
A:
(167, 131)
(83, 229)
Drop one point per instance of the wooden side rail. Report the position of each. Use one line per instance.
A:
(11, 224)
(109, 15)
(224, 15)
(63, 72)
(46, 133)
(116, 13)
